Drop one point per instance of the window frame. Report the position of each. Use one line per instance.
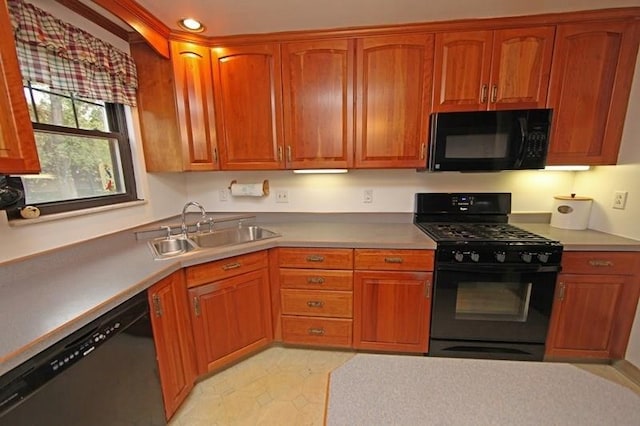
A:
(117, 123)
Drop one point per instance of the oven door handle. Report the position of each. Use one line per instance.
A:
(498, 269)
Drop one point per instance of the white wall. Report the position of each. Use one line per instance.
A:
(393, 190)
(603, 181)
(164, 192)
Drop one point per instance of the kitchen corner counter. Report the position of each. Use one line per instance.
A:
(582, 240)
(46, 297)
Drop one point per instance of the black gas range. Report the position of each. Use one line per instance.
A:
(493, 283)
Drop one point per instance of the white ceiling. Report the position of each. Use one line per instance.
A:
(229, 17)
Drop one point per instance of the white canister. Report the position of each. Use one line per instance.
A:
(570, 212)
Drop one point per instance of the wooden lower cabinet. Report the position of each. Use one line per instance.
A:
(594, 308)
(231, 317)
(392, 300)
(173, 339)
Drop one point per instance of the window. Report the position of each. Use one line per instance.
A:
(84, 152)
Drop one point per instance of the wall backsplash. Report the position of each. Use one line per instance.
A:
(393, 190)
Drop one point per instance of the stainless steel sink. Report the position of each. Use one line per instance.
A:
(164, 248)
(231, 236)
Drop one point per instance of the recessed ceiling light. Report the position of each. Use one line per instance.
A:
(191, 24)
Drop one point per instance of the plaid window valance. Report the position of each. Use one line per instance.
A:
(67, 58)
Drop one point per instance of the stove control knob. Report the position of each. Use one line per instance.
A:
(543, 257)
(475, 256)
(501, 256)
(458, 256)
(526, 257)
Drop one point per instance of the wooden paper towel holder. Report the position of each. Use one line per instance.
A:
(265, 186)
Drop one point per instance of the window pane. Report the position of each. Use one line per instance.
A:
(91, 116)
(74, 167)
(54, 109)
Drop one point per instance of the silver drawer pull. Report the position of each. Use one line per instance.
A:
(601, 263)
(315, 258)
(315, 303)
(234, 265)
(315, 331)
(393, 260)
(561, 291)
(315, 280)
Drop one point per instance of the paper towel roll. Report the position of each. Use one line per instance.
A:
(571, 212)
(247, 189)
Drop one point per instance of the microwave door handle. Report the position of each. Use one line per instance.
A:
(522, 121)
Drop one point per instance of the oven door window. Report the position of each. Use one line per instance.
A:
(492, 306)
(493, 301)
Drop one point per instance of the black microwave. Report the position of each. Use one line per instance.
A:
(489, 140)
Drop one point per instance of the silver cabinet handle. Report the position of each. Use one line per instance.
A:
(427, 290)
(423, 150)
(494, 93)
(600, 263)
(315, 331)
(561, 291)
(393, 260)
(315, 258)
(315, 303)
(483, 93)
(196, 305)
(157, 306)
(234, 265)
(315, 280)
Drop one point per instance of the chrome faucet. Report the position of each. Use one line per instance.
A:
(183, 226)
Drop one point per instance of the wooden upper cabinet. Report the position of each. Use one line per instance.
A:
(393, 90)
(317, 79)
(593, 67)
(461, 71)
(247, 82)
(502, 69)
(18, 152)
(521, 63)
(194, 95)
(175, 103)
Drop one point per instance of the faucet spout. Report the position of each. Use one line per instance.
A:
(183, 226)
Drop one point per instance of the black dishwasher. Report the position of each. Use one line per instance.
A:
(103, 374)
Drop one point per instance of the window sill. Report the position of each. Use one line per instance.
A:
(75, 213)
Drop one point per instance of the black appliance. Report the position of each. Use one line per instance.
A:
(493, 282)
(489, 140)
(103, 374)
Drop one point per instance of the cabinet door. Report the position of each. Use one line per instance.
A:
(584, 315)
(248, 98)
(194, 101)
(393, 100)
(392, 311)
(521, 67)
(317, 79)
(173, 340)
(18, 152)
(461, 71)
(591, 76)
(231, 318)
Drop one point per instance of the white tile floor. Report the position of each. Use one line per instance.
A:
(285, 386)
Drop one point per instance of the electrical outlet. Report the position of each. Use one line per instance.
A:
(619, 200)
(282, 196)
(367, 196)
(223, 194)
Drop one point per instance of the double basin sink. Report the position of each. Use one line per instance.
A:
(173, 246)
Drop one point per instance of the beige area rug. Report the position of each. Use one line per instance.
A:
(406, 390)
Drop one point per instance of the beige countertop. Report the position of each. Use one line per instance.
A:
(46, 297)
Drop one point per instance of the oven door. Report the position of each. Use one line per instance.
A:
(492, 303)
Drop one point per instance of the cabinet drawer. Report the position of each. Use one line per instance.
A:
(320, 258)
(394, 260)
(225, 268)
(596, 262)
(317, 331)
(317, 303)
(316, 279)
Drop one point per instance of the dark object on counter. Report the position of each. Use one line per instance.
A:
(11, 196)
(493, 282)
